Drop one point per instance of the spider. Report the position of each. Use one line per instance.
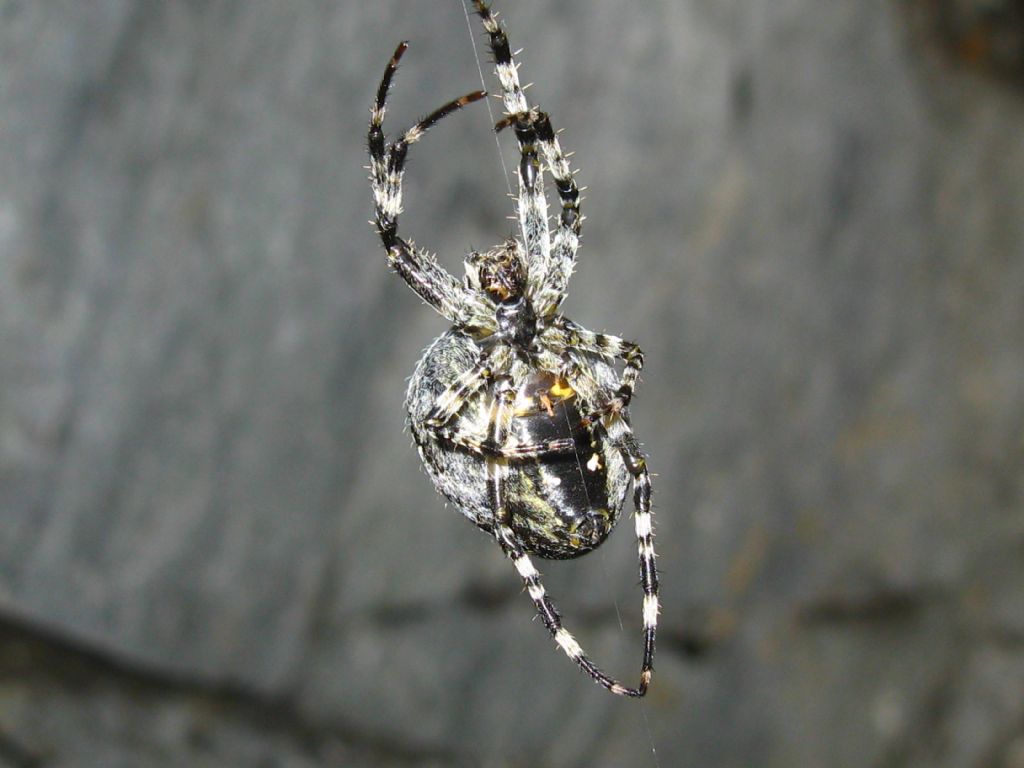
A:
(518, 413)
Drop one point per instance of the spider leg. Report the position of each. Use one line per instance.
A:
(552, 261)
(450, 403)
(484, 447)
(452, 400)
(512, 92)
(565, 334)
(418, 268)
(551, 288)
(532, 205)
(515, 551)
(549, 285)
(620, 435)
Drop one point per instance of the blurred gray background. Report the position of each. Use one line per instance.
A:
(216, 545)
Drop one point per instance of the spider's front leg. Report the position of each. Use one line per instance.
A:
(564, 334)
(549, 280)
(387, 162)
(532, 205)
(551, 260)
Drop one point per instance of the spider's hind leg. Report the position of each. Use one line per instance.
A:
(618, 433)
(621, 436)
(514, 549)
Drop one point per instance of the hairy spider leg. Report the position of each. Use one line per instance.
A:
(549, 275)
(620, 436)
(566, 334)
(644, 524)
(512, 93)
(548, 288)
(450, 402)
(532, 204)
(418, 268)
(484, 447)
(501, 415)
(552, 286)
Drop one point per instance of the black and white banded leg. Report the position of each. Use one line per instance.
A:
(417, 267)
(451, 401)
(516, 552)
(521, 451)
(532, 205)
(566, 241)
(619, 434)
(549, 275)
(549, 284)
(569, 335)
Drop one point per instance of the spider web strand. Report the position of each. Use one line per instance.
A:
(483, 86)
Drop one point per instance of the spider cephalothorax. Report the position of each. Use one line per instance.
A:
(500, 273)
(519, 414)
(500, 276)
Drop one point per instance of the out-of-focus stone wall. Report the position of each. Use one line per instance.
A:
(216, 545)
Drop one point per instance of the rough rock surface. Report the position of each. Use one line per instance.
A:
(216, 546)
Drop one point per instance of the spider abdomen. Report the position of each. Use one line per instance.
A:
(559, 505)
(562, 506)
